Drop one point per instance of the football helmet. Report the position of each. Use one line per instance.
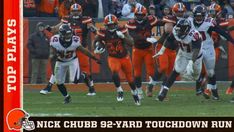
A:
(199, 14)
(179, 10)
(65, 33)
(17, 119)
(111, 22)
(76, 11)
(140, 14)
(214, 10)
(182, 28)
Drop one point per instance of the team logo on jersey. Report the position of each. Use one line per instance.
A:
(17, 119)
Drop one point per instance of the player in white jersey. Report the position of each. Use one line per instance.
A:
(205, 25)
(64, 47)
(190, 44)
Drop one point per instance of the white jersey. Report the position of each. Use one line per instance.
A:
(203, 30)
(65, 54)
(185, 44)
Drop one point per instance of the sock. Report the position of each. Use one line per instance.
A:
(88, 81)
(199, 81)
(164, 80)
(116, 79)
(132, 85)
(157, 75)
(138, 82)
(62, 89)
(212, 82)
(171, 79)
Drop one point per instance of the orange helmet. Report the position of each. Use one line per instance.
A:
(179, 9)
(214, 9)
(111, 22)
(140, 13)
(76, 10)
(17, 119)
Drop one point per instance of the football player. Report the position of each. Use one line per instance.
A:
(140, 29)
(64, 47)
(81, 25)
(114, 38)
(206, 25)
(190, 53)
(214, 11)
(165, 62)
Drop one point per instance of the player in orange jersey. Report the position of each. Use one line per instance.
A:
(114, 38)
(140, 29)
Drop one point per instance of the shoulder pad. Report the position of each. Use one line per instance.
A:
(131, 24)
(123, 29)
(152, 19)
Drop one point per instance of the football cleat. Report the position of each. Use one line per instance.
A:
(229, 91)
(140, 93)
(162, 94)
(120, 97)
(91, 92)
(149, 90)
(136, 100)
(44, 91)
(199, 91)
(215, 95)
(47, 89)
(67, 99)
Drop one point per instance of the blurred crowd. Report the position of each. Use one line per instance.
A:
(120, 8)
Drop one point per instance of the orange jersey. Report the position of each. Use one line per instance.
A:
(79, 26)
(141, 31)
(113, 43)
(170, 19)
(48, 6)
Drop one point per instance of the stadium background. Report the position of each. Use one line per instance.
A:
(101, 73)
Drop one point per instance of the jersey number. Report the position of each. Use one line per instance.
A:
(203, 34)
(65, 55)
(185, 47)
(115, 49)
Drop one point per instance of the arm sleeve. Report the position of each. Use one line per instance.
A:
(221, 32)
(169, 38)
(196, 44)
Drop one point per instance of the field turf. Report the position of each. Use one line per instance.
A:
(182, 102)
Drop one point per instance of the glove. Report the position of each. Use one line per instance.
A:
(120, 34)
(151, 40)
(98, 49)
(189, 68)
(161, 51)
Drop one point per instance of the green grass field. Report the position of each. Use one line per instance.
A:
(182, 102)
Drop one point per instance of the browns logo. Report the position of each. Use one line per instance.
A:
(18, 119)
